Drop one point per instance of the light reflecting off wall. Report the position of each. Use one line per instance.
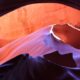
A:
(30, 18)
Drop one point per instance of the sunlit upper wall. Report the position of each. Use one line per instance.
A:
(27, 19)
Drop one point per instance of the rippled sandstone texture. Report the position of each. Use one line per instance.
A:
(30, 18)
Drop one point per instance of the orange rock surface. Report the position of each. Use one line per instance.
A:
(30, 18)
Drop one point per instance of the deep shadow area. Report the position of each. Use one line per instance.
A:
(9, 5)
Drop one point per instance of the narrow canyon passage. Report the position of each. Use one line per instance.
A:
(30, 18)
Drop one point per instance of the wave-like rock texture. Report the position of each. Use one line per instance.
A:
(30, 18)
